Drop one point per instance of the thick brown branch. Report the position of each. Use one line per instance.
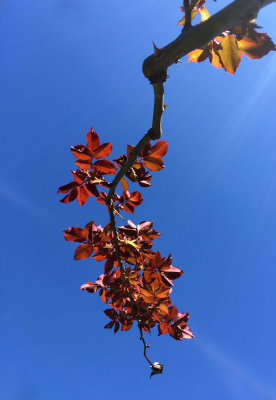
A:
(155, 66)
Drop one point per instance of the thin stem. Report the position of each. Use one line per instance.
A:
(143, 142)
(157, 110)
(116, 239)
(144, 342)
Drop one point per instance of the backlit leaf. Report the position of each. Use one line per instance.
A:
(66, 188)
(83, 251)
(105, 166)
(257, 45)
(92, 189)
(129, 150)
(126, 325)
(93, 140)
(82, 195)
(204, 14)
(153, 164)
(70, 196)
(193, 14)
(109, 325)
(102, 151)
(124, 184)
(90, 287)
(229, 53)
(75, 234)
(81, 152)
(83, 164)
(159, 149)
(79, 176)
(197, 55)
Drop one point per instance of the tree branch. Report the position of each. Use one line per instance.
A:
(188, 16)
(145, 139)
(155, 66)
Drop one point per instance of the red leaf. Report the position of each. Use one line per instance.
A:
(66, 188)
(108, 265)
(129, 150)
(105, 166)
(82, 195)
(75, 234)
(135, 197)
(126, 325)
(110, 313)
(90, 287)
(93, 140)
(83, 164)
(163, 328)
(170, 273)
(70, 196)
(103, 151)
(84, 250)
(256, 45)
(92, 189)
(154, 164)
(159, 149)
(117, 326)
(81, 152)
(109, 325)
(129, 208)
(79, 176)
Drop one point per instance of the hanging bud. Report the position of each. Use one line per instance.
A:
(156, 368)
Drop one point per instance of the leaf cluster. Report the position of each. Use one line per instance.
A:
(136, 282)
(226, 50)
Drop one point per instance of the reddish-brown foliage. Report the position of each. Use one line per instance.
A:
(140, 291)
(136, 282)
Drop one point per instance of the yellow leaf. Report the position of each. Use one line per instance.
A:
(193, 14)
(230, 53)
(197, 55)
(204, 14)
(194, 55)
(124, 184)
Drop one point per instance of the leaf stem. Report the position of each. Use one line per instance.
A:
(142, 143)
(144, 342)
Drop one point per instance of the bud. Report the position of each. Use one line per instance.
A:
(156, 368)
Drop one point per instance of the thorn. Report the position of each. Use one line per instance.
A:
(156, 50)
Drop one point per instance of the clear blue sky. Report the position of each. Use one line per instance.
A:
(71, 64)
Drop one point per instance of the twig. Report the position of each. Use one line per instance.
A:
(144, 342)
(188, 15)
(147, 137)
(116, 239)
(157, 110)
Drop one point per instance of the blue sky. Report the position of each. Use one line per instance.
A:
(71, 64)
